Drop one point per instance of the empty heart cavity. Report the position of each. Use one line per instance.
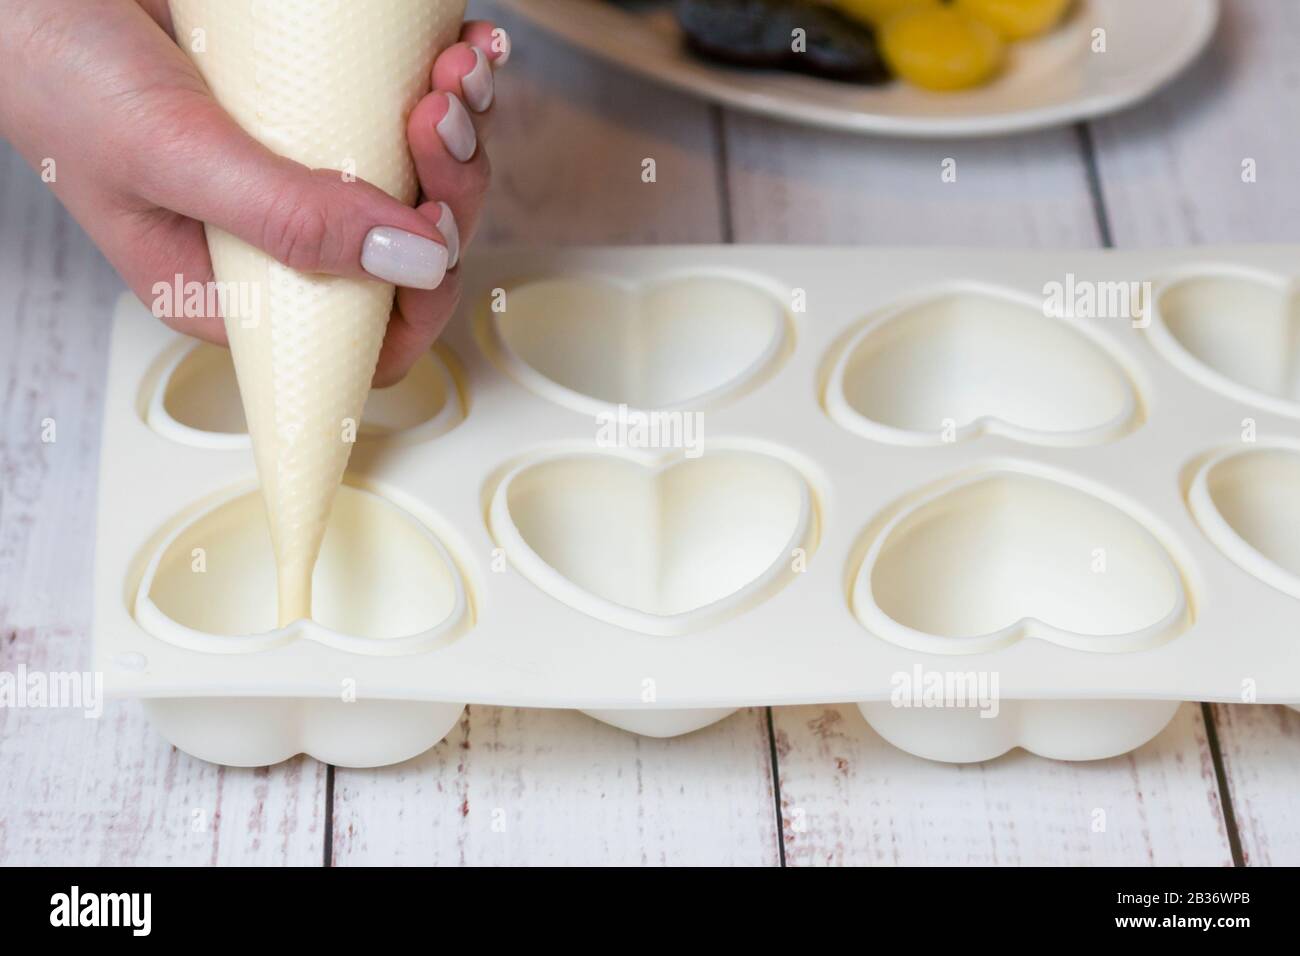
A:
(591, 343)
(384, 583)
(1005, 555)
(971, 362)
(1236, 332)
(197, 400)
(1248, 505)
(661, 549)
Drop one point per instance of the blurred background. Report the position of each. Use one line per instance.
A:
(801, 785)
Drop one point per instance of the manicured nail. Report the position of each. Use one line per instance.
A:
(403, 258)
(500, 46)
(477, 83)
(457, 130)
(447, 226)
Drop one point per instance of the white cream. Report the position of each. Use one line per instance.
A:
(330, 84)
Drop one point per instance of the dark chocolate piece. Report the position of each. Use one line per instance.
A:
(760, 33)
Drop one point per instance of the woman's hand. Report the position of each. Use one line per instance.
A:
(142, 156)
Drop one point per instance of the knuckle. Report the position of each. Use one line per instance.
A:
(449, 299)
(429, 316)
(298, 232)
(478, 175)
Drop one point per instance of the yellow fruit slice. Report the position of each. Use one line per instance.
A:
(940, 48)
(1016, 19)
(876, 12)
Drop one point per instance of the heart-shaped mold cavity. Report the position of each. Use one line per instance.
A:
(384, 583)
(197, 401)
(970, 362)
(1235, 331)
(1248, 504)
(590, 343)
(983, 562)
(661, 549)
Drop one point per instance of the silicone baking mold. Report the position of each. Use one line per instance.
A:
(983, 495)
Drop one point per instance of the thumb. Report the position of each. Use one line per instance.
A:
(309, 220)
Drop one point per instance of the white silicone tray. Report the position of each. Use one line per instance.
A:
(910, 478)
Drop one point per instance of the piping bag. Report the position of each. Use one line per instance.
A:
(329, 84)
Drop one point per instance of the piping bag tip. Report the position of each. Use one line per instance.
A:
(294, 598)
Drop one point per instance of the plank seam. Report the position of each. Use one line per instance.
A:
(724, 174)
(1225, 801)
(776, 788)
(328, 853)
(1089, 150)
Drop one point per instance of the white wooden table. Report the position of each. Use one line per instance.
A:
(800, 785)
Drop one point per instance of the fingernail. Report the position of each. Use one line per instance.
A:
(500, 46)
(477, 83)
(447, 226)
(456, 130)
(403, 258)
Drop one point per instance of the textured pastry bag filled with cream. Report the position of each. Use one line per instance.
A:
(330, 84)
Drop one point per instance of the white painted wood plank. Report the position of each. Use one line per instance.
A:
(1171, 174)
(76, 790)
(567, 149)
(870, 803)
(109, 791)
(527, 787)
(1171, 169)
(1261, 760)
(847, 796)
(793, 184)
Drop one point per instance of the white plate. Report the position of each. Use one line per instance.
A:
(1049, 81)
